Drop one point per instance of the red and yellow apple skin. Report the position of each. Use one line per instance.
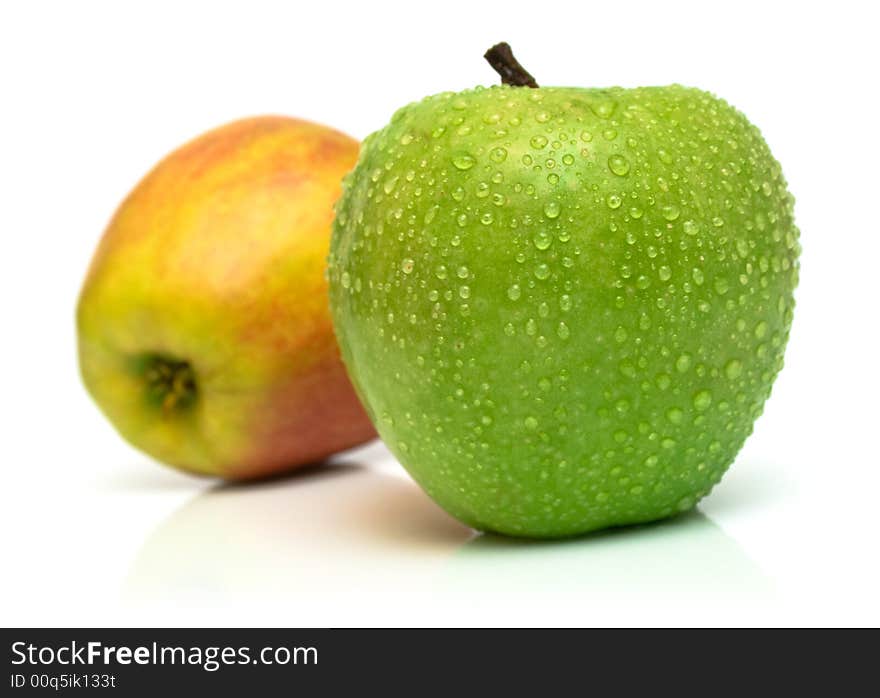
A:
(203, 323)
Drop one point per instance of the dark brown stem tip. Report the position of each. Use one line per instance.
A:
(501, 58)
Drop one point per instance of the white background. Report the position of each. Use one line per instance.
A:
(94, 533)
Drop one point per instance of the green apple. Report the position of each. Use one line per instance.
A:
(564, 308)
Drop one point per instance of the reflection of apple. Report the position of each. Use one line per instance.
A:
(275, 553)
(688, 557)
(283, 538)
(564, 307)
(204, 333)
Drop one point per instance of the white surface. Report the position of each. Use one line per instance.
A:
(94, 533)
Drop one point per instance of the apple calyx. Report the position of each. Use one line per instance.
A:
(170, 383)
(501, 58)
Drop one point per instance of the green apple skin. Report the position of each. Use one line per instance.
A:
(564, 308)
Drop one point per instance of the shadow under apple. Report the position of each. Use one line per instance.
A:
(347, 529)
(318, 529)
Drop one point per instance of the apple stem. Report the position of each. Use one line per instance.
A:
(500, 57)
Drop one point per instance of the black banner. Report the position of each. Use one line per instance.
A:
(135, 662)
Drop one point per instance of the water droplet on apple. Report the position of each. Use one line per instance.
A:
(603, 109)
(619, 165)
(702, 400)
(627, 369)
(552, 209)
(538, 142)
(733, 369)
(542, 239)
(514, 292)
(498, 154)
(464, 161)
(674, 415)
(670, 212)
(691, 227)
(683, 363)
(407, 265)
